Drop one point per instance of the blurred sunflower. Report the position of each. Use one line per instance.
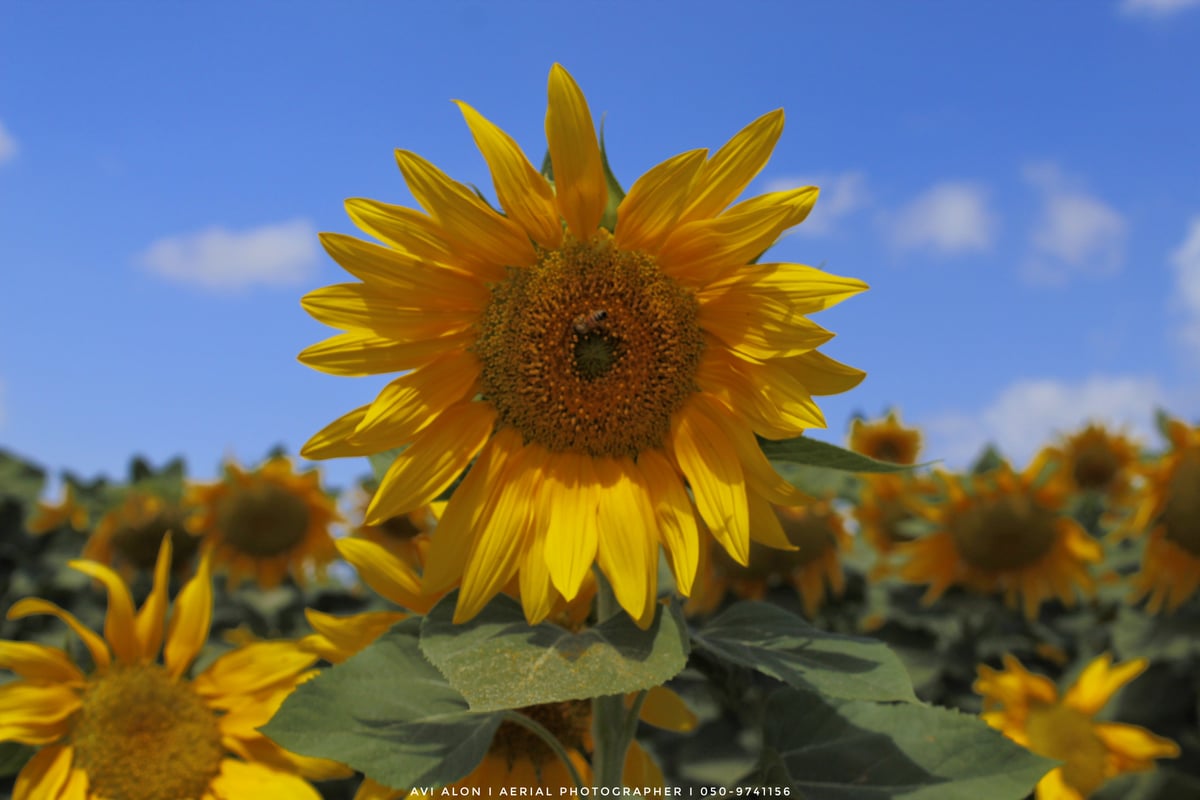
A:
(1096, 460)
(129, 536)
(813, 536)
(887, 503)
(1168, 514)
(70, 513)
(267, 523)
(886, 440)
(518, 757)
(588, 373)
(138, 729)
(1027, 709)
(1003, 531)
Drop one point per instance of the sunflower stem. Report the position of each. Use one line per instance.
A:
(551, 741)
(611, 732)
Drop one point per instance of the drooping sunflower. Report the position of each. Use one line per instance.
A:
(1003, 531)
(129, 536)
(1027, 709)
(267, 523)
(886, 440)
(1097, 460)
(1168, 515)
(588, 367)
(70, 513)
(815, 534)
(137, 729)
(517, 757)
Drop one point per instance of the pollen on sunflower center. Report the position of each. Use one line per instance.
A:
(568, 721)
(1181, 517)
(263, 520)
(1004, 533)
(143, 735)
(590, 350)
(1065, 734)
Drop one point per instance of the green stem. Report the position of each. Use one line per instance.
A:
(551, 741)
(611, 732)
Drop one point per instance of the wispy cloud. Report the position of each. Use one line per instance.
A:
(1076, 232)
(216, 258)
(1185, 260)
(841, 195)
(1156, 8)
(949, 218)
(1032, 412)
(8, 145)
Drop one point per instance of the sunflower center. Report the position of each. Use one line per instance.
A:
(1062, 733)
(263, 520)
(1095, 466)
(142, 735)
(1003, 534)
(137, 541)
(1181, 517)
(590, 350)
(568, 721)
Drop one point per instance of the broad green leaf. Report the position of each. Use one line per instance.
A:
(805, 450)
(766, 638)
(498, 661)
(388, 713)
(846, 750)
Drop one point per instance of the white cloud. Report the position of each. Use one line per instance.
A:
(949, 218)
(841, 195)
(1156, 8)
(1185, 260)
(217, 258)
(8, 145)
(1076, 233)
(1033, 412)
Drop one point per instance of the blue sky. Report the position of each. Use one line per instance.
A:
(1018, 182)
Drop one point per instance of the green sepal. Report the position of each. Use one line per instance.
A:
(615, 193)
(774, 642)
(838, 750)
(497, 661)
(805, 450)
(381, 462)
(388, 713)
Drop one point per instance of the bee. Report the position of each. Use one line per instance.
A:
(590, 322)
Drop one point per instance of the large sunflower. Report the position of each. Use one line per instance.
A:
(1003, 531)
(268, 522)
(137, 729)
(1027, 709)
(1168, 513)
(588, 367)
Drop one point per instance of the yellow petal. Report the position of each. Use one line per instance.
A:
(580, 188)
(732, 167)
(39, 662)
(759, 332)
(190, 619)
(537, 590)
(118, 622)
(95, 645)
(407, 231)
(389, 576)
(786, 289)
(798, 201)
(76, 787)
(414, 280)
(240, 779)
(348, 635)
(401, 317)
(709, 460)
(655, 201)
(664, 709)
(332, 441)
(570, 498)
(628, 546)
(252, 668)
(408, 404)
(152, 615)
(675, 517)
(822, 375)
(765, 527)
(358, 353)
(1133, 743)
(523, 193)
(472, 228)
(36, 713)
(699, 252)
(43, 776)
(1100, 681)
(437, 455)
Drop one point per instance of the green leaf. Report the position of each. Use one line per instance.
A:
(380, 462)
(498, 661)
(13, 756)
(388, 713)
(805, 450)
(838, 750)
(766, 638)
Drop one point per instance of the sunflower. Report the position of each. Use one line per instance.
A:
(138, 729)
(887, 503)
(588, 367)
(1003, 531)
(1168, 512)
(808, 541)
(405, 535)
(67, 514)
(1096, 460)
(129, 536)
(1027, 709)
(519, 757)
(886, 440)
(268, 523)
